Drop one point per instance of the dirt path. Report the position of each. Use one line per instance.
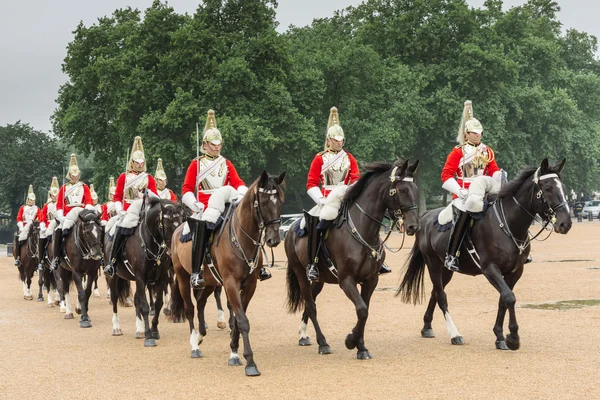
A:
(44, 356)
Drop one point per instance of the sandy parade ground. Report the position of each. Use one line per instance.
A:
(47, 357)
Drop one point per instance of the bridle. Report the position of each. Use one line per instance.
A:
(162, 244)
(84, 249)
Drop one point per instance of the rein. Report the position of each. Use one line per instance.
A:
(162, 246)
(84, 249)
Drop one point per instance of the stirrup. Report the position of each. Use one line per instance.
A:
(197, 281)
(17, 262)
(384, 269)
(528, 259)
(264, 274)
(312, 272)
(54, 264)
(451, 262)
(40, 267)
(109, 270)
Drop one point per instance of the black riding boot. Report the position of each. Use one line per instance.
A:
(117, 244)
(314, 237)
(42, 244)
(17, 250)
(57, 241)
(460, 219)
(200, 237)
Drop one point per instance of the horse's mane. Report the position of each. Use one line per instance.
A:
(511, 188)
(370, 171)
(89, 215)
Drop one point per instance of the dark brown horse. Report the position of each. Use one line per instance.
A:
(80, 257)
(501, 243)
(237, 259)
(145, 260)
(47, 279)
(354, 248)
(29, 258)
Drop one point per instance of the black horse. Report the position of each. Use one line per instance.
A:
(145, 260)
(354, 248)
(502, 245)
(47, 278)
(29, 258)
(80, 258)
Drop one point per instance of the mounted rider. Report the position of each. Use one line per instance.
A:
(27, 214)
(108, 209)
(330, 169)
(206, 174)
(97, 206)
(161, 183)
(128, 200)
(468, 160)
(73, 197)
(48, 220)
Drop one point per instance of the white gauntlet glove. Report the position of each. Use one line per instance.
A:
(317, 196)
(190, 200)
(453, 187)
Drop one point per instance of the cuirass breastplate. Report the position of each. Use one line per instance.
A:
(335, 174)
(216, 178)
(134, 192)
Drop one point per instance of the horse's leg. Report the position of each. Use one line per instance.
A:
(315, 288)
(40, 285)
(60, 287)
(84, 320)
(151, 297)
(507, 300)
(141, 311)
(66, 277)
(201, 298)
(29, 274)
(220, 313)
(114, 299)
(427, 331)
(96, 291)
(48, 284)
(309, 291)
(355, 339)
(185, 289)
(438, 279)
(239, 304)
(160, 290)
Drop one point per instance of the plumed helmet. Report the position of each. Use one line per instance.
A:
(334, 130)
(468, 123)
(160, 172)
(137, 154)
(211, 133)
(30, 194)
(74, 171)
(54, 187)
(93, 192)
(112, 188)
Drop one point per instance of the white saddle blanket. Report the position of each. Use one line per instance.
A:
(216, 206)
(474, 201)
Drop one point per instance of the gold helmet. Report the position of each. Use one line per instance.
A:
(30, 194)
(74, 171)
(160, 172)
(93, 192)
(211, 133)
(137, 154)
(334, 130)
(54, 187)
(468, 123)
(112, 188)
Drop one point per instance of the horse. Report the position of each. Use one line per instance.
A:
(144, 260)
(355, 249)
(237, 259)
(48, 279)
(29, 258)
(80, 258)
(499, 244)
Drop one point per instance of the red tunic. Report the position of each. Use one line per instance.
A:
(189, 184)
(62, 203)
(453, 168)
(316, 178)
(37, 217)
(44, 214)
(121, 189)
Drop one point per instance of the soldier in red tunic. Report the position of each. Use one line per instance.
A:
(48, 220)
(108, 208)
(97, 207)
(204, 176)
(468, 160)
(27, 214)
(73, 196)
(129, 191)
(331, 168)
(161, 183)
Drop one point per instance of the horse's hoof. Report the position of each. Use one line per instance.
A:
(251, 370)
(305, 341)
(197, 354)
(56, 302)
(427, 333)
(117, 332)
(350, 343)
(51, 305)
(78, 311)
(151, 313)
(458, 340)
(149, 343)
(178, 321)
(512, 342)
(128, 302)
(155, 335)
(139, 335)
(221, 324)
(63, 309)
(234, 362)
(96, 295)
(28, 297)
(40, 299)
(364, 355)
(167, 312)
(501, 345)
(85, 324)
(69, 315)
(325, 349)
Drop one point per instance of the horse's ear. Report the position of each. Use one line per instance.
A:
(280, 178)
(560, 166)
(264, 179)
(545, 165)
(403, 165)
(412, 168)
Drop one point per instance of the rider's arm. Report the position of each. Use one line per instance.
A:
(450, 167)
(314, 179)
(118, 198)
(152, 186)
(87, 198)
(354, 172)
(20, 218)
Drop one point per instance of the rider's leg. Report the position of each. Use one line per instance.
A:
(43, 242)
(17, 251)
(313, 236)
(200, 237)
(117, 244)
(57, 241)
(460, 220)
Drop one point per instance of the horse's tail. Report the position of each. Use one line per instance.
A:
(177, 309)
(411, 288)
(123, 290)
(295, 301)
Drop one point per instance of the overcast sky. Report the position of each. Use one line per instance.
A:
(34, 35)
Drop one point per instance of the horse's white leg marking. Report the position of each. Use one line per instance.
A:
(220, 315)
(24, 289)
(302, 332)
(50, 299)
(195, 339)
(68, 303)
(452, 331)
(233, 355)
(115, 322)
(139, 326)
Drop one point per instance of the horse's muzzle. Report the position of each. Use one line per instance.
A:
(563, 227)
(273, 242)
(412, 229)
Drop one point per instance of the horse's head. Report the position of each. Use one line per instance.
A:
(550, 199)
(90, 233)
(267, 201)
(173, 215)
(34, 231)
(402, 198)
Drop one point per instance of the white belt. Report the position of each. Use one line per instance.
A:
(75, 205)
(331, 187)
(209, 191)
